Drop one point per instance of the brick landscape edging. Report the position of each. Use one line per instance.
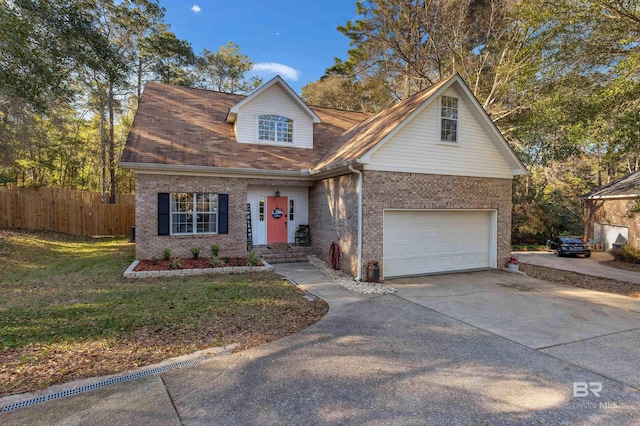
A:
(130, 273)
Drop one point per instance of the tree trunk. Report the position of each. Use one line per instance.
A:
(139, 80)
(103, 144)
(112, 149)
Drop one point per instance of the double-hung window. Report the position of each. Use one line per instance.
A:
(194, 213)
(449, 119)
(275, 128)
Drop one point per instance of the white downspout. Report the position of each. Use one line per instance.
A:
(359, 277)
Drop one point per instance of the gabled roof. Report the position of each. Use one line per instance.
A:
(233, 111)
(181, 128)
(625, 187)
(358, 143)
(185, 129)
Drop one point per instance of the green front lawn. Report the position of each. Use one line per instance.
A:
(66, 312)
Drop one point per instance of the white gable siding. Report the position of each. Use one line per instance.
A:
(274, 101)
(416, 147)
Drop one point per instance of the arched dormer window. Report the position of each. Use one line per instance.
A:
(275, 128)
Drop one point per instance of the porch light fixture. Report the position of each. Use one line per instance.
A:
(277, 192)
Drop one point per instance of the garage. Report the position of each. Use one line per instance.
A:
(417, 242)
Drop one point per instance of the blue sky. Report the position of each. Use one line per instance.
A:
(296, 39)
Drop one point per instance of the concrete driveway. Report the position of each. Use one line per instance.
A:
(479, 348)
(588, 266)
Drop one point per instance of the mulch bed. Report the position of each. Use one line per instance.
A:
(576, 279)
(199, 263)
(627, 266)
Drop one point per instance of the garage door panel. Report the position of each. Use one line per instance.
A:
(421, 242)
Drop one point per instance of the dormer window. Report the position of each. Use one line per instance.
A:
(448, 119)
(275, 128)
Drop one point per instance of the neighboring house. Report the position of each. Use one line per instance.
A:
(612, 212)
(422, 187)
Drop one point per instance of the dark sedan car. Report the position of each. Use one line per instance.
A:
(564, 246)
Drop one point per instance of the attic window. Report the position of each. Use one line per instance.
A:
(449, 119)
(275, 128)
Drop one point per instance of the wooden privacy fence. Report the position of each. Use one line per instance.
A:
(63, 210)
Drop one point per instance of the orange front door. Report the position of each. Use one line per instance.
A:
(277, 220)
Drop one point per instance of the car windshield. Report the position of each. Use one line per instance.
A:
(572, 240)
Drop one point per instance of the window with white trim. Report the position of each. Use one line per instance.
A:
(194, 213)
(291, 209)
(448, 119)
(275, 128)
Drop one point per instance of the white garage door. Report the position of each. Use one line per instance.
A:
(422, 242)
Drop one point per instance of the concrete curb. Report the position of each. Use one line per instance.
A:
(70, 387)
(130, 273)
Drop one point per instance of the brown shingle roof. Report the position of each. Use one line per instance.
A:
(183, 126)
(627, 186)
(361, 138)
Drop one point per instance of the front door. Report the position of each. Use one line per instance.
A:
(277, 220)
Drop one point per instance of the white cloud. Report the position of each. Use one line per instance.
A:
(196, 8)
(270, 68)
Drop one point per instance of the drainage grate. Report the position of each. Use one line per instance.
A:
(112, 381)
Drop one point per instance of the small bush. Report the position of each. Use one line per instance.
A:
(166, 254)
(175, 263)
(253, 259)
(216, 262)
(154, 260)
(215, 250)
(626, 254)
(195, 252)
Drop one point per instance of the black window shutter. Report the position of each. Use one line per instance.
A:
(223, 213)
(163, 213)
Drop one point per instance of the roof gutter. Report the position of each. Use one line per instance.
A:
(359, 173)
(208, 170)
(334, 169)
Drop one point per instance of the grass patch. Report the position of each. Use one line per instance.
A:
(66, 312)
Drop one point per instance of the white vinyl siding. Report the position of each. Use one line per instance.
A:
(274, 101)
(417, 242)
(416, 148)
(300, 198)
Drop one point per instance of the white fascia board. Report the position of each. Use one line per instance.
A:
(233, 111)
(177, 169)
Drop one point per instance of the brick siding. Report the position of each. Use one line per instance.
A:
(333, 216)
(385, 190)
(333, 210)
(149, 244)
(612, 212)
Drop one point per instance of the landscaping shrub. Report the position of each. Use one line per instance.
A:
(175, 263)
(253, 259)
(626, 254)
(195, 252)
(216, 262)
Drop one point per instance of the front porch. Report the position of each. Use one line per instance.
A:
(276, 213)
